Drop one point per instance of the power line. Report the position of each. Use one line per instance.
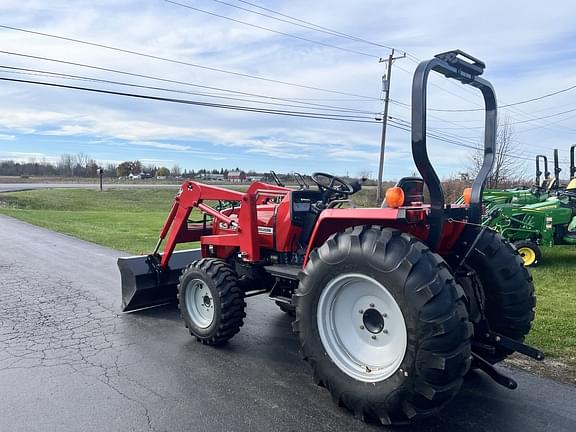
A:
(549, 123)
(194, 65)
(150, 77)
(512, 109)
(522, 121)
(469, 139)
(36, 72)
(397, 125)
(411, 56)
(505, 105)
(300, 23)
(336, 33)
(180, 62)
(273, 31)
(200, 103)
(311, 115)
(457, 140)
(528, 118)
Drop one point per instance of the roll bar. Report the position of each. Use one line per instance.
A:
(572, 164)
(557, 169)
(538, 172)
(466, 69)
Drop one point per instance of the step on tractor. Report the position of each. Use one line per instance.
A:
(392, 305)
(548, 223)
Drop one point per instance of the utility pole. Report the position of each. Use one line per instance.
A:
(386, 89)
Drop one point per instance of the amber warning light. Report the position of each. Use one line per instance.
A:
(467, 195)
(395, 197)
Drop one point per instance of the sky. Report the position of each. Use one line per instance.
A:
(529, 50)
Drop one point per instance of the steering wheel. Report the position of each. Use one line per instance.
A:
(568, 193)
(335, 184)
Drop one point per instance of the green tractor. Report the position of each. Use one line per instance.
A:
(515, 197)
(572, 182)
(547, 223)
(542, 189)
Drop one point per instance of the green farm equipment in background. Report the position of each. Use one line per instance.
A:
(519, 196)
(543, 188)
(547, 223)
(572, 182)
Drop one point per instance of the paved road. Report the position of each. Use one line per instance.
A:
(13, 187)
(70, 361)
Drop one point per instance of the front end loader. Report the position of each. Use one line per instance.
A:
(393, 305)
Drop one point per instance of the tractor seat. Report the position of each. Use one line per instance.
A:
(413, 188)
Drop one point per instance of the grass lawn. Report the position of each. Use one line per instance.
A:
(125, 219)
(554, 329)
(130, 220)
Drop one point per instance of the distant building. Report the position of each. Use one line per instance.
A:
(139, 176)
(214, 177)
(237, 176)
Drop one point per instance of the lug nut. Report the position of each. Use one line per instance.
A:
(374, 337)
(361, 327)
(360, 311)
(384, 315)
(371, 305)
(385, 331)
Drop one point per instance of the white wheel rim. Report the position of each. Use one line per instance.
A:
(199, 303)
(361, 327)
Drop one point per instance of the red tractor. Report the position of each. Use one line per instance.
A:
(393, 305)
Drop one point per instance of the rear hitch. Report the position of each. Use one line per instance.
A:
(513, 345)
(493, 340)
(493, 373)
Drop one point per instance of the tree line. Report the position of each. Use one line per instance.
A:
(83, 165)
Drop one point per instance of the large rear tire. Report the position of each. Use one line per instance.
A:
(506, 288)
(211, 302)
(383, 324)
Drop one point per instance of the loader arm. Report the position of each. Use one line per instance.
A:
(195, 195)
(151, 280)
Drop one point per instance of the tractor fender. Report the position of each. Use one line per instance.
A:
(332, 221)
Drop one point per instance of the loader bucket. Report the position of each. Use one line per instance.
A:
(144, 286)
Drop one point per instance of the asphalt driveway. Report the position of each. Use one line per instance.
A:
(71, 361)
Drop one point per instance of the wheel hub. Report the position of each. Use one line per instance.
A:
(528, 255)
(362, 327)
(207, 301)
(373, 321)
(199, 303)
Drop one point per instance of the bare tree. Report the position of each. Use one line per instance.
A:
(508, 169)
(176, 171)
(65, 165)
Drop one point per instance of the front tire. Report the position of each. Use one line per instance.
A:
(359, 284)
(211, 302)
(529, 251)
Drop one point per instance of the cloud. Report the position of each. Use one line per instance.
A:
(109, 127)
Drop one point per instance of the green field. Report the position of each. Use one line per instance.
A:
(125, 219)
(130, 220)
